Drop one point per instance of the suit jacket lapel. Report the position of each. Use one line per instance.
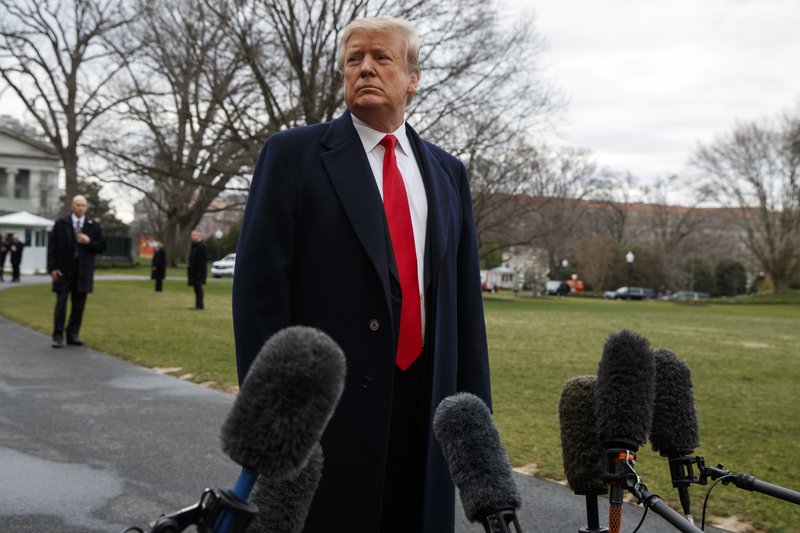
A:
(351, 176)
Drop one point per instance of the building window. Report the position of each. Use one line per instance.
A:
(42, 199)
(3, 182)
(22, 184)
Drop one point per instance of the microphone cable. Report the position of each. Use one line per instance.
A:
(644, 515)
(708, 493)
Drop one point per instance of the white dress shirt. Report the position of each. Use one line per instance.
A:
(412, 179)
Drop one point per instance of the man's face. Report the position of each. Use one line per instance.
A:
(196, 237)
(376, 80)
(79, 206)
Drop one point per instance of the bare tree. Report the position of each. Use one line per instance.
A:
(563, 181)
(54, 57)
(182, 139)
(528, 197)
(474, 99)
(470, 63)
(672, 231)
(500, 197)
(754, 169)
(614, 198)
(597, 255)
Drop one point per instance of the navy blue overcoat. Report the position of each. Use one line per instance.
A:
(314, 251)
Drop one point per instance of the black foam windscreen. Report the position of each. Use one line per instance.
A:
(477, 460)
(625, 392)
(283, 504)
(674, 431)
(581, 449)
(285, 402)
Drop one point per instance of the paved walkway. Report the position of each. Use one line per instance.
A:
(90, 444)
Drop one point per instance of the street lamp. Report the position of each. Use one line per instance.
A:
(564, 265)
(217, 236)
(629, 258)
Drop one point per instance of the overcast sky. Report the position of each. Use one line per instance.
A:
(649, 79)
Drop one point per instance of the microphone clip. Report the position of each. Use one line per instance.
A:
(682, 473)
(618, 464)
(500, 522)
(206, 513)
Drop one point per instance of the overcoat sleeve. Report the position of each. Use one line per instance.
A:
(264, 255)
(473, 368)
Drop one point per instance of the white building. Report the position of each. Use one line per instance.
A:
(33, 231)
(29, 192)
(29, 170)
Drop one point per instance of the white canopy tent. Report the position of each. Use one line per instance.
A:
(33, 231)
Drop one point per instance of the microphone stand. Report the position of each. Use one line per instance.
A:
(592, 516)
(683, 469)
(623, 475)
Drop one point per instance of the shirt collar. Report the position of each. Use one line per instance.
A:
(370, 137)
(76, 219)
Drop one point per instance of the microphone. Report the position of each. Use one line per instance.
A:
(581, 451)
(674, 432)
(283, 505)
(477, 460)
(285, 402)
(625, 397)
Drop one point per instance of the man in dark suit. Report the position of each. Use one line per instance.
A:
(197, 269)
(74, 242)
(3, 252)
(372, 240)
(158, 267)
(15, 247)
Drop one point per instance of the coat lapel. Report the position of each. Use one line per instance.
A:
(351, 176)
(437, 189)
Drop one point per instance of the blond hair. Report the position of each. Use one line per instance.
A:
(389, 25)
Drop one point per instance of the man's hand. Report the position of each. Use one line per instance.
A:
(55, 274)
(83, 238)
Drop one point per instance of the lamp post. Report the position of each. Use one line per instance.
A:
(217, 237)
(629, 258)
(564, 265)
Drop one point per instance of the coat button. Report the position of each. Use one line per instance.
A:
(374, 325)
(366, 382)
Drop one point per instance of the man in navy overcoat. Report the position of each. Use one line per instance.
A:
(315, 250)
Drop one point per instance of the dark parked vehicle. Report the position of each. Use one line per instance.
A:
(629, 293)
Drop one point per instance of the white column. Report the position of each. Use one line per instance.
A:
(11, 176)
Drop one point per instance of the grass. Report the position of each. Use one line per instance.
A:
(130, 320)
(744, 362)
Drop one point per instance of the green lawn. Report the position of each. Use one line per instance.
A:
(745, 361)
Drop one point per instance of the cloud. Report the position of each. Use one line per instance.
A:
(647, 81)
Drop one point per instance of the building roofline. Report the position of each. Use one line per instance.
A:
(27, 139)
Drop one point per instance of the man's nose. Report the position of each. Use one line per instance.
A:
(367, 66)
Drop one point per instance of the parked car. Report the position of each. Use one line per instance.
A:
(629, 293)
(223, 267)
(686, 295)
(556, 288)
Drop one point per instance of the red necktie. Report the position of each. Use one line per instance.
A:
(398, 215)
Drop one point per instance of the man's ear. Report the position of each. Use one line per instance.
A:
(413, 85)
